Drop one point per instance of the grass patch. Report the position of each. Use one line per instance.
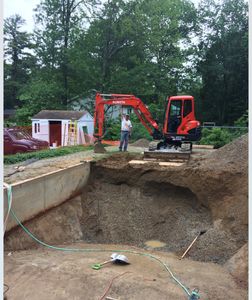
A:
(19, 157)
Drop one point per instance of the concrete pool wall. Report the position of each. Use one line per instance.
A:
(34, 196)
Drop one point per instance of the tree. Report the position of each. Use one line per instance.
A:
(134, 47)
(59, 24)
(18, 59)
(224, 59)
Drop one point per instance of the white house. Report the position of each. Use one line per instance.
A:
(62, 127)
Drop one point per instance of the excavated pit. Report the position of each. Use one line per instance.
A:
(127, 204)
(132, 204)
(132, 214)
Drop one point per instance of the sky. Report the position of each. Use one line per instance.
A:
(23, 8)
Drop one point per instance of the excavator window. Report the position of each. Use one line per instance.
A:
(175, 109)
(174, 118)
(187, 107)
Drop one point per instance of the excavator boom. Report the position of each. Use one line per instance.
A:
(138, 106)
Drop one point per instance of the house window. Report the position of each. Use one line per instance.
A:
(37, 127)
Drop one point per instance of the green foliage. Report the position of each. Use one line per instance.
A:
(112, 130)
(139, 131)
(39, 94)
(242, 121)
(221, 136)
(217, 137)
(223, 50)
(19, 157)
(146, 48)
(18, 60)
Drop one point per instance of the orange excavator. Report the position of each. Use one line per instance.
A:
(180, 128)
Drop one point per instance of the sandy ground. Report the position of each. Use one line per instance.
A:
(49, 274)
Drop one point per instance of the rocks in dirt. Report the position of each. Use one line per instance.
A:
(141, 143)
(238, 265)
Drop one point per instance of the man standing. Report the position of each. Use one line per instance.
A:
(126, 128)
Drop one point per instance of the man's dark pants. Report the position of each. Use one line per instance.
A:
(124, 140)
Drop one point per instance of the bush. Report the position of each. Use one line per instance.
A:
(217, 137)
(112, 130)
(19, 157)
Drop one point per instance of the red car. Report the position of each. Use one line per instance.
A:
(18, 141)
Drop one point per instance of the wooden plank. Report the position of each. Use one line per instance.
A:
(138, 162)
(203, 147)
(161, 163)
(171, 164)
(167, 156)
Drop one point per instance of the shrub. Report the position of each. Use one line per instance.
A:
(217, 137)
(19, 157)
(112, 130)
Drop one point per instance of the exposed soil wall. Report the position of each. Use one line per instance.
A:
(57, 225)
(122, 213)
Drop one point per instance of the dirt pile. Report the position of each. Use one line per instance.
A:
(238, 266)
(99, 148)
(232, 157)
(141, 143)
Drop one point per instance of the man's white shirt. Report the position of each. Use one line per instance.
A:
(126, 125)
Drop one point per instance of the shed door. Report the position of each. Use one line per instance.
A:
(55, 132)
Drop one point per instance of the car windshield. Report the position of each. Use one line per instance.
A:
(18, 135)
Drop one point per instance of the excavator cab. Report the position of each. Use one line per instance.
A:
(180, 123)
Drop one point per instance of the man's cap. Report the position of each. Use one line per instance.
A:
(127, 115)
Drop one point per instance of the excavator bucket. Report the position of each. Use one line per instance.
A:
(99, 147)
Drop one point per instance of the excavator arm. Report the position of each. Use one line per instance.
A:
(138, 106)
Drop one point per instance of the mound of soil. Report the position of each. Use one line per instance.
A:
(141, 143)
(232, 157)
(99, 148)
(238, 266)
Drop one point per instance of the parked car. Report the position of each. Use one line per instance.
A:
(19, 141)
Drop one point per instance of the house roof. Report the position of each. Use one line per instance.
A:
(59, 115)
